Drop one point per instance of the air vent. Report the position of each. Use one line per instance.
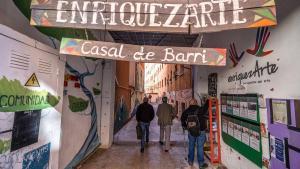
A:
(19, 60)
(44, 66)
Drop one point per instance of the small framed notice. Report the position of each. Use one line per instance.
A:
(280, 111)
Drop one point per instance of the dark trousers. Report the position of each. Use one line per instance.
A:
(145, 131)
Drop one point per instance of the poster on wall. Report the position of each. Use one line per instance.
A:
(236, 105)
(212, 84)
(280, 112)
(229, 108)
(38, 158)
(279, 149)
(245, 136)
(243, 107)
(272, 146)
(254, 140)
(230, 128)
(224, 103)
(252, 109)
(237, 132)
(224, 125)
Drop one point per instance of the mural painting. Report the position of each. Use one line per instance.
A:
(83, 104)
(262, 37)
(121, 115)
(20, 116)
(15, 97)
(234, 56)
(38, 158)
(30, 101)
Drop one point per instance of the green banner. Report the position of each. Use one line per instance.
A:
(15, 97)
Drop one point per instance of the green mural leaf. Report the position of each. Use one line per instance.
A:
(4, 146)
(16, 97)
(77, 104)
(96, 91)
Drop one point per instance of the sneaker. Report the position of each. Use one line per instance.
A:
(204, 165)
(142, 150)
(161, 143)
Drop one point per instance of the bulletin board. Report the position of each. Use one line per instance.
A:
(241, 125)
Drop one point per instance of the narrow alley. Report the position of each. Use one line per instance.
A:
(125, 152)
(75, 75)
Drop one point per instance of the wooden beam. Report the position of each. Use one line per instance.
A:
(149, 54)
(168, 16)
(178, 7)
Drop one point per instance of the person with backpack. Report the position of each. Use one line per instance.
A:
(193, 119)
(144, 115)
(165, 114)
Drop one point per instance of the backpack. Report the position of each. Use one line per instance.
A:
(193, 124)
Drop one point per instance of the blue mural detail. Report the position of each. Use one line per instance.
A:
(92, 141)
(38, 158)
(121, 115)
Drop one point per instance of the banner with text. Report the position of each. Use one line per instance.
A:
(180, 16)
(151, 54)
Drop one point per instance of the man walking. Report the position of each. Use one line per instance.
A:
(144, 115)
(193, 119)
(165, 114)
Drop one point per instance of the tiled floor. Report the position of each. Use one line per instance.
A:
(125, 153)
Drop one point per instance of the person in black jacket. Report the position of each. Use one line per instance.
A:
(144, 115)
(201, 112)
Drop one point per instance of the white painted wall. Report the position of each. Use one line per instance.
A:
(285, 41)
(108, 102)
(76, 125)
(49, 131)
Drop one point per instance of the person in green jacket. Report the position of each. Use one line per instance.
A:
(165, 114)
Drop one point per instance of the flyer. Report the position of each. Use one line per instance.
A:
(229, 108)
(237, 132)
(236, 107)
(224, 103)
(224, 126)
(280, 114)
(272, 146)
(230, 128)
(254, 140)
(224, 108)
(244, 109)
(252, 111)
(245, 136)
(279, 150)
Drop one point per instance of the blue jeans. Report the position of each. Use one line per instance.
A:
(145, 130)
(200, 140)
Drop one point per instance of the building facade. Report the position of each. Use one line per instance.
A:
(129, 91)
(171, 80)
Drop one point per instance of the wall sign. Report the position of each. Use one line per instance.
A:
(32, 81)
(153, 54)
(181, 16)
(15, 97)
(213, 84)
